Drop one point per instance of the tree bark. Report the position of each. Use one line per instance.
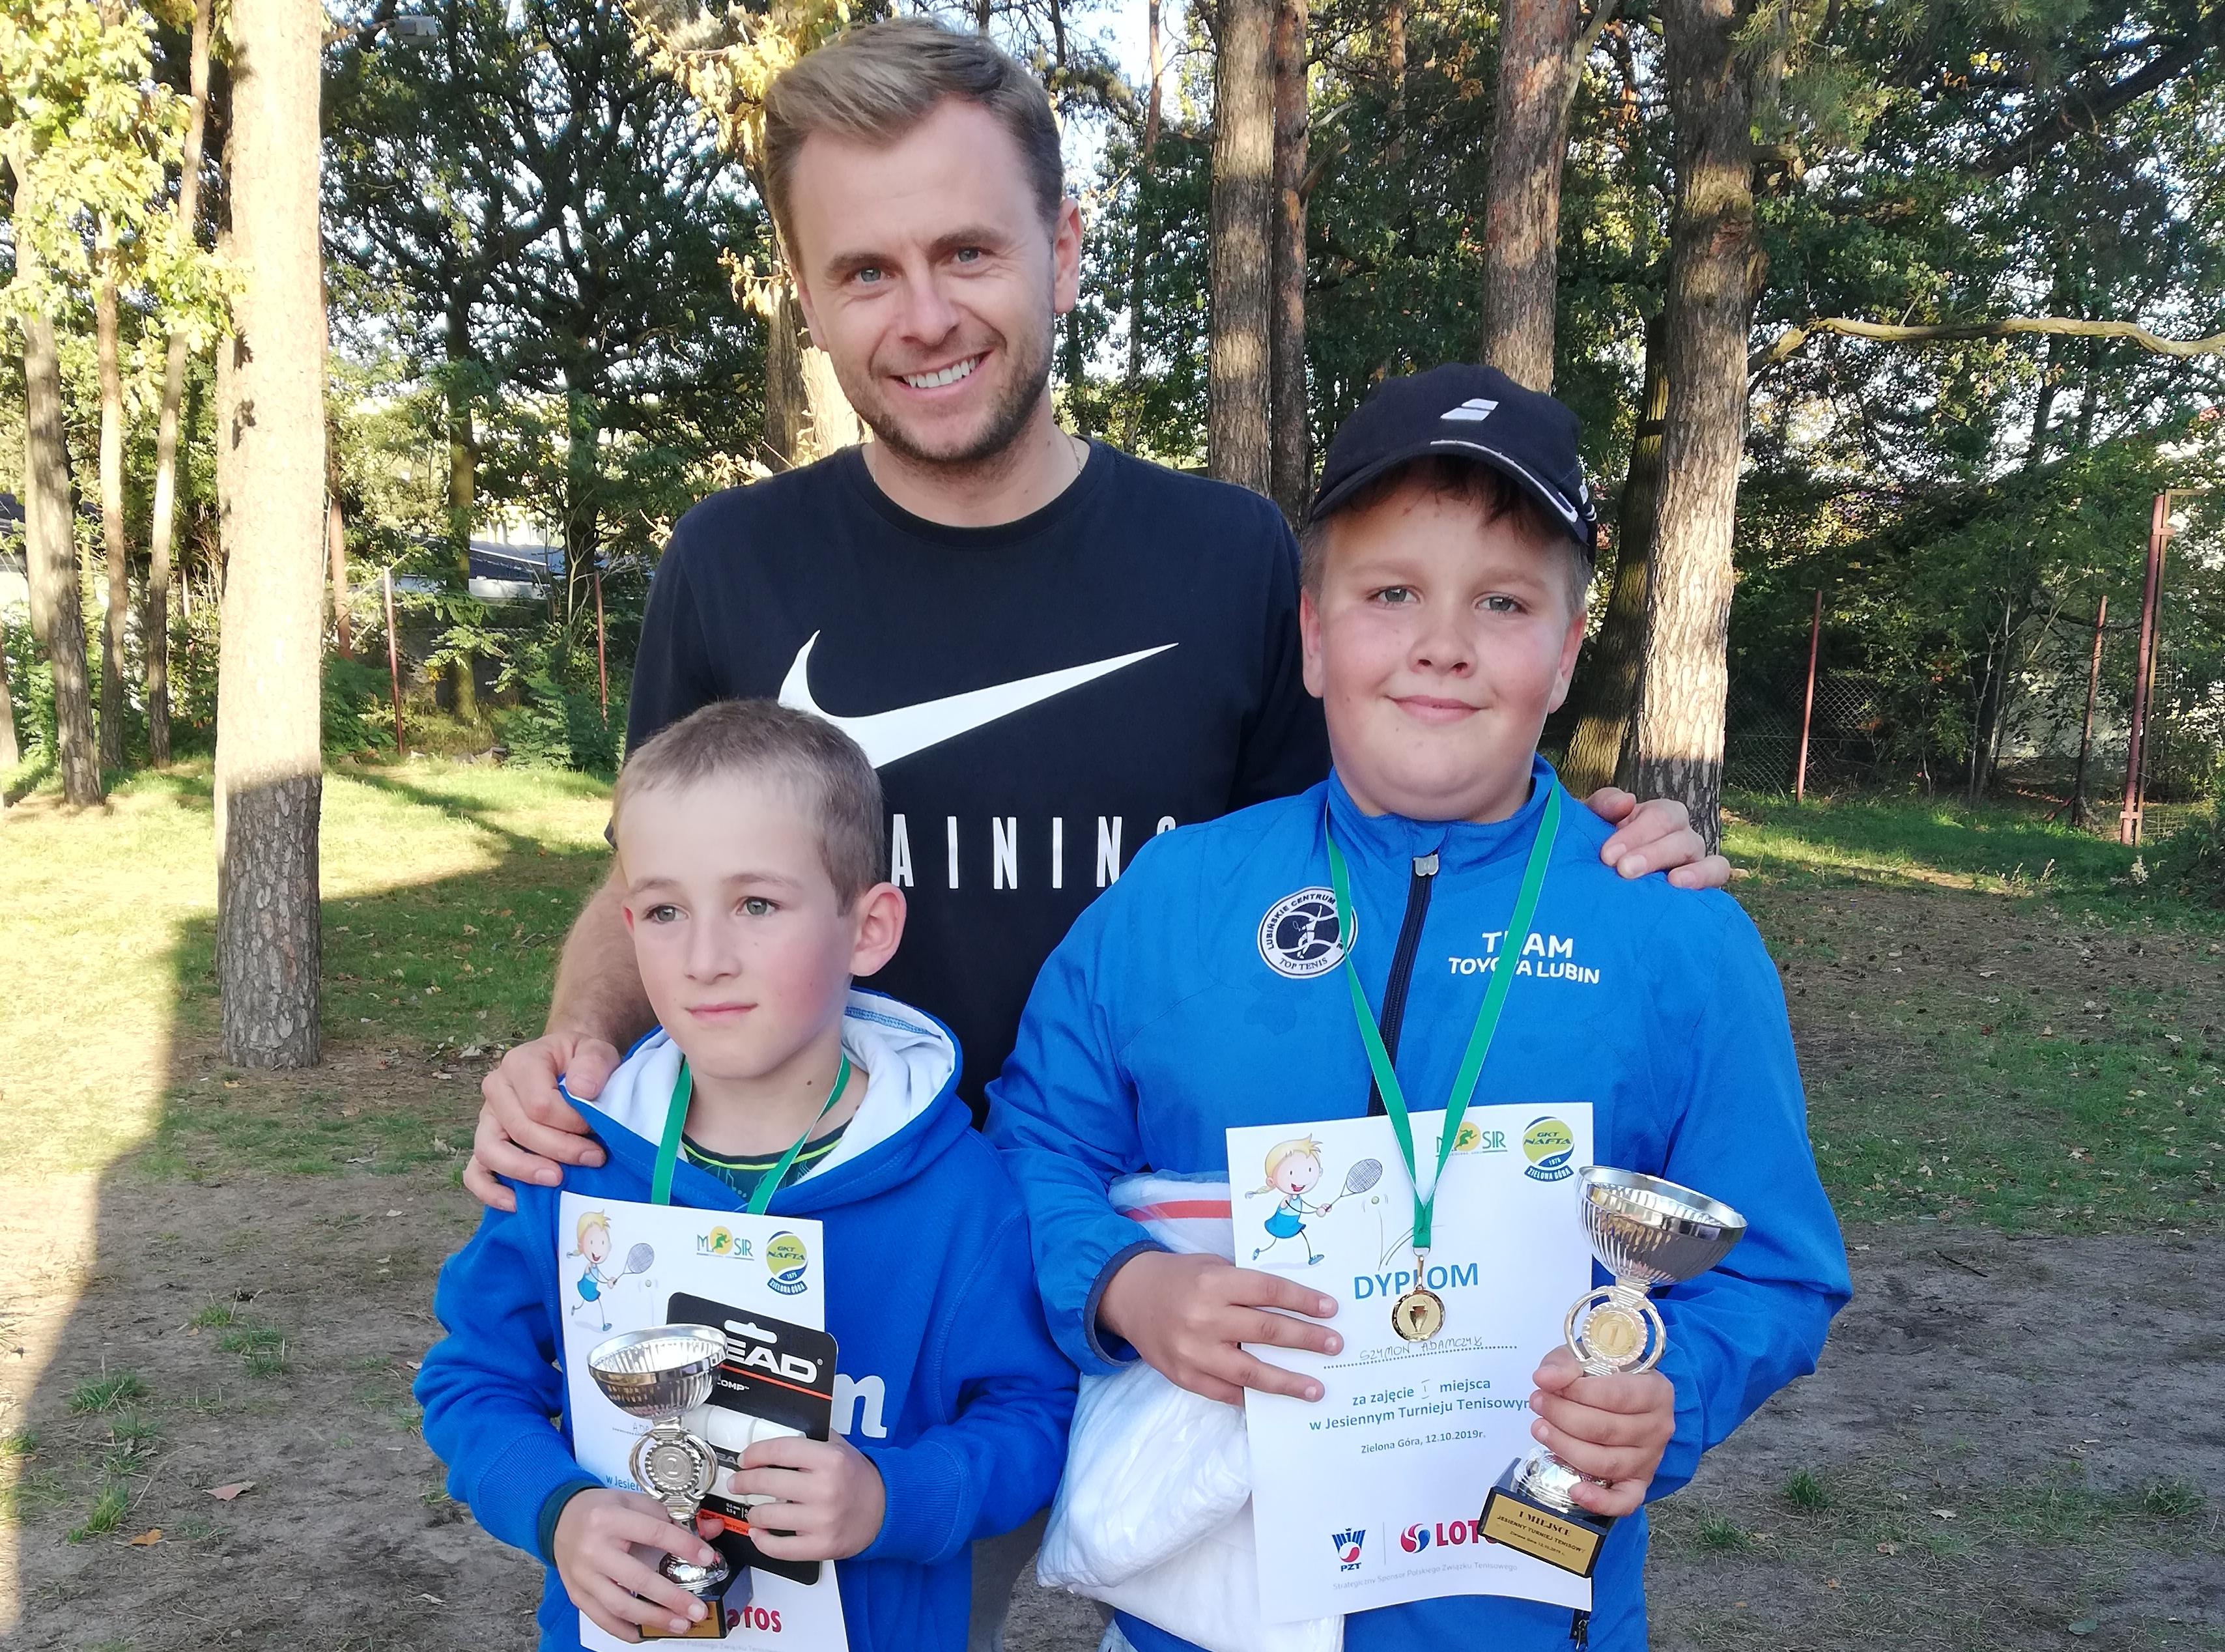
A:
(114, 553)
(1140, 241)
(807, 414)
(1684, 676)
(10, 753)
(463, 493)
(336, 563)
(1606, 690)
(270, 779)
(1521, 192)
(1291, 460)
(50, 541)
(163, 525)
(1394, 68)
(1236, 373)
(582, 431)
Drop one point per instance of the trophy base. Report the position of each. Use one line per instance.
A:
(723, 1591)
(1558, 1533)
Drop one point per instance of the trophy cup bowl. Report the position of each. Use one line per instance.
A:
(659, 1375)
(1648, 1233)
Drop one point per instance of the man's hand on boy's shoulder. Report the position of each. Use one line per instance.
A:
(828, 1499)
(606, 1547)
(1655, 836)
(1187, 1315)
(1613, 1428)
(526, 1131)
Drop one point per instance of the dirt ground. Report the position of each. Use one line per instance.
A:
(1985, 1377)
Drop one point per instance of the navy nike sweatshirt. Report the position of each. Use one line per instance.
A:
(930, 1299)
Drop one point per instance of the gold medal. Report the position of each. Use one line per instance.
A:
(1418, 1315)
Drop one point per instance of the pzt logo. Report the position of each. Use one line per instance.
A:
(1347, 1548)
(1300, 935)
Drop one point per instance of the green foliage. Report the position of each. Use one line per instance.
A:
(2190, 864)
(555, 727)
(357, 709)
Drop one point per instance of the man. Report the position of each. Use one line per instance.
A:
(1049, 649)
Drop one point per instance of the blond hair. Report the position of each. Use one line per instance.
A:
(1289, 1149)
(762, 740)
(592, 1219)
(875, 84)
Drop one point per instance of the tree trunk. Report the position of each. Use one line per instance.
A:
(50, 540)
(1291, 464)
(116, 557)
(463, 494)
(1607, 689)
(336, 562)
(1141, 239)
(807, 414)
(10, 753)
(164, 523)
(1522, 194)
(582, 430)
(1394, 68)
(1237, 389)
(269, 780)
(1685, 679)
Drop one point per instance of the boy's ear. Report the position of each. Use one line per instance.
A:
(1310, 644)
(879, 917)
(1572, 644)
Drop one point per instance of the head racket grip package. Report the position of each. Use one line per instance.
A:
(778, 1380)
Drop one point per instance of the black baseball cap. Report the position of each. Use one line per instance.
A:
(1464, 412)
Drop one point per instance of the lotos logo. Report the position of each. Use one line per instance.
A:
(1445, 1534)
(720, 1243)
(1547, 1144)
(1347, 1548)
(785, 1255)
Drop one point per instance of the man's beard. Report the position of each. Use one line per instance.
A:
(1029, 358)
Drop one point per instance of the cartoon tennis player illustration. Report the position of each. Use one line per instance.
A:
(594, 1248)
(1294, 1169)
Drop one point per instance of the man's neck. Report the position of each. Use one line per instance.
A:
(1038, 464)
(761, 1115)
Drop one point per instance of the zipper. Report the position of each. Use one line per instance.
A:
(1402, 966)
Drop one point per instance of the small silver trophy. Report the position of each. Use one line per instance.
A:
(1648, 1233)
(659, 1375)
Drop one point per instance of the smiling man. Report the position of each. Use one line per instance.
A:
(1050, 650)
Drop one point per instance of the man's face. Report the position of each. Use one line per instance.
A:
(744, 951)
(930, 278)
(1438, 643)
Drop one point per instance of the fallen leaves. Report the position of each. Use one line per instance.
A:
(230, 1493)
(147, 1539)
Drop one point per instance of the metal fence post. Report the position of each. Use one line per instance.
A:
(1807, 704)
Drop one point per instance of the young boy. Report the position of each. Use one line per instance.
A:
(750, 849)
(1446, 557)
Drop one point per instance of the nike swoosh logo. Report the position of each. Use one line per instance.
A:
(886, 736)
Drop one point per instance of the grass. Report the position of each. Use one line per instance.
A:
(447, 891)
(105, 1392)
(260, 1345)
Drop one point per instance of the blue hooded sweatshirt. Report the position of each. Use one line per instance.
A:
(957, 1397)
(1203, 990)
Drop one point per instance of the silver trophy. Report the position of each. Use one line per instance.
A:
(1648, 1233)
(659, 1375)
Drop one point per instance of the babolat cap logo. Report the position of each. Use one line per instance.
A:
(785, 1255)
(1548, 1144)
(1300, 935)
(1476, 407)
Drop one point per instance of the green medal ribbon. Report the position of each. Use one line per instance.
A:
(675, 1121)
(1487, 1020)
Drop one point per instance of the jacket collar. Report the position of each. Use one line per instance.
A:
(1385, 843)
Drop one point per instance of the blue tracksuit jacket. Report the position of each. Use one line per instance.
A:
(1196, 994)
(963, 1401)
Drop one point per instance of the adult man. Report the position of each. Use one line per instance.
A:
(1049, 649)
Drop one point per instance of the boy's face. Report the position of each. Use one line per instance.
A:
(743, 946)
(1437, 643)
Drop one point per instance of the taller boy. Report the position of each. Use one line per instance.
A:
(1446, 557)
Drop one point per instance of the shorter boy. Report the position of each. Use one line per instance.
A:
(750, 844)
(1446, 559)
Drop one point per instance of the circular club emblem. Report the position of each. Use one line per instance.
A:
(1299, 937)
